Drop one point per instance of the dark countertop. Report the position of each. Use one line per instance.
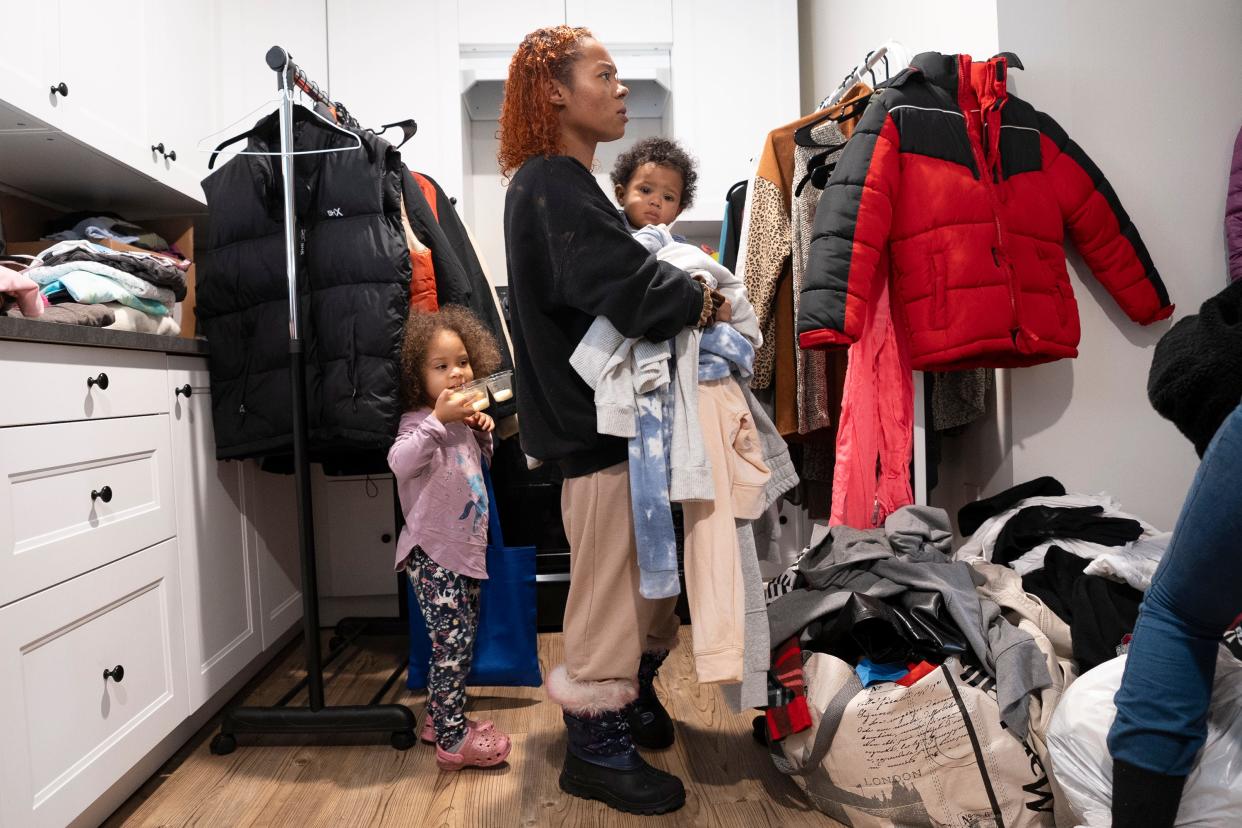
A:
(34, 330)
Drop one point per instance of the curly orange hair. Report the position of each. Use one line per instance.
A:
(528, 123)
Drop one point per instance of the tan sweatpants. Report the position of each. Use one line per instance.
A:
(713, 562)
(608, 623)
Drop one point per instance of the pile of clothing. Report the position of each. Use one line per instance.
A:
(88, 284)
(1081, 555)
(892, 601)
(83, 227)
(891, 657)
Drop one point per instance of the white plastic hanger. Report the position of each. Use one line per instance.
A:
(209, 143)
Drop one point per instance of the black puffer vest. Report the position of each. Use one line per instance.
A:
(354, 269)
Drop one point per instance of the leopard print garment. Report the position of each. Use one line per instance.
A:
(766, 246)
(817, 370)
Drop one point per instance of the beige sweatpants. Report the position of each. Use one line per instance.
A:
(712, 562)
(608, 623)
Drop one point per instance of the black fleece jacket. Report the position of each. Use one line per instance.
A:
(570, 260)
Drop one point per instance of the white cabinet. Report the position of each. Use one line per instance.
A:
(29, 59)
(79, 383)
(735, 78)
(79, 495)
(219, 572)
(503, 22)
(101, 60)
(647, 22)
(379, 90)
(272, 532)
(89, 78)
(91, 680)
(180, 81)
(355, 538)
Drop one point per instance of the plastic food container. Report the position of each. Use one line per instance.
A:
(476, 393)
(501, 386)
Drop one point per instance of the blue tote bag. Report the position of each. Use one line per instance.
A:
(506, 650)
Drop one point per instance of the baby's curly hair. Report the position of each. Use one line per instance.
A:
(421, 327)
(665, 152)
(528, 122)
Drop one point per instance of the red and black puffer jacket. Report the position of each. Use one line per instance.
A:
(964, 193)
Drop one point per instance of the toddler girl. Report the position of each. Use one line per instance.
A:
(437, 461)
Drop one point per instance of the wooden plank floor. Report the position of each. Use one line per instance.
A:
(358, 782)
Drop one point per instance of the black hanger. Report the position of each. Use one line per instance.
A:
(818, 169)
(853, 109)
(300, 115)
(409, 128)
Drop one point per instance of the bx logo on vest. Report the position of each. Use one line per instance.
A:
(335, 212)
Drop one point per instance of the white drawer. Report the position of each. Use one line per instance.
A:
(51, 528)
(47, 383)
(68, 732)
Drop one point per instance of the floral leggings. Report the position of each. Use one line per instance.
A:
(450, 605)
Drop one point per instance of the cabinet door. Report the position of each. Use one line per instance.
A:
(243, 79)
(731, 58)
(101, 60)
(219, 574)
(354, 535)
(29, 57)
(69, 730)
(432, 96)
(272, 532)
(639, 21)
(180, 81)
(505, 23)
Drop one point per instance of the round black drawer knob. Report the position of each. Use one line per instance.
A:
(184, 391)
(101, 381)
(62, 89)
(172, 155)
(385, 538)
(104, 494)
(117, 674)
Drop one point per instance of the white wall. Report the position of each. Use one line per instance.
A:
(836, 35)
(1153, 93)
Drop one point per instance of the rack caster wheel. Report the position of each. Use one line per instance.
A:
(403, 739)
(223, 744)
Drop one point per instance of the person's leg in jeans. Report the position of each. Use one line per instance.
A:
(1197, 591)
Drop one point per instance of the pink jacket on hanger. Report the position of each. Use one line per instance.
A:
(875, 439)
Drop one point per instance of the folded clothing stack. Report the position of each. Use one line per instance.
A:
(108, 227)
(139, 288)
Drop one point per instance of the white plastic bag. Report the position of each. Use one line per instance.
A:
(1083, 768)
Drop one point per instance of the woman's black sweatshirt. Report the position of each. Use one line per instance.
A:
(570, 260)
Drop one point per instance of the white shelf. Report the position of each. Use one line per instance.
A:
(646, 71)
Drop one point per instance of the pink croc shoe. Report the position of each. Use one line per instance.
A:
(482, 749)
(429, 728)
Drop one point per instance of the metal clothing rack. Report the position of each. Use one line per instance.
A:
(316, 718)
(855, 76)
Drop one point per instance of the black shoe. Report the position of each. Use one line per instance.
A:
(602, 764)
(650, 725)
